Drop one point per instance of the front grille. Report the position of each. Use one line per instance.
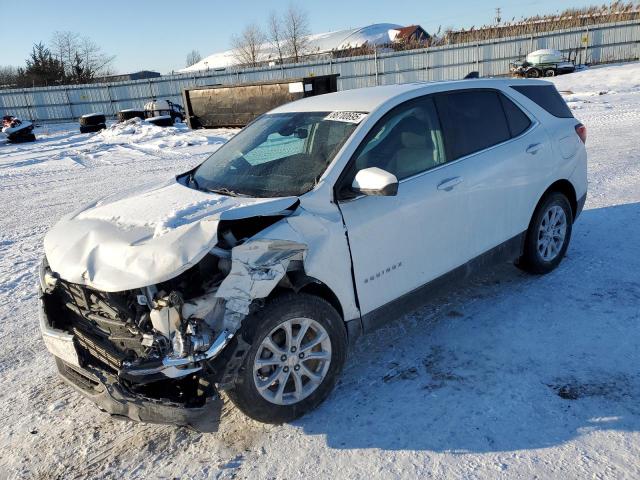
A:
(105, 325)
(99, 350)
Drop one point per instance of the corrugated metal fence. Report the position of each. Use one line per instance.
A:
(598, 44)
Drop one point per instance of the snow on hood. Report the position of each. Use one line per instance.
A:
(143, 238)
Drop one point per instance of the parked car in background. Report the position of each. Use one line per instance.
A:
(320, 220)
(543, 63)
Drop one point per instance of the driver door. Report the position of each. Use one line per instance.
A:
(399, 243)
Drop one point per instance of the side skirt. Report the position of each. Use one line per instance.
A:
(510, 250)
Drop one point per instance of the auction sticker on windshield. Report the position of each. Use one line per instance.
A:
(349, 117)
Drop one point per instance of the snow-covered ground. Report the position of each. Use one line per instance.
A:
(510, 376)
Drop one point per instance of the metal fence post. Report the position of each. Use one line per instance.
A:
(426, 64)
(113, 108)
(375, 59)
(26, 103)
(586, 45)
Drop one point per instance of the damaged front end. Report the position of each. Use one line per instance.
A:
(155, 353)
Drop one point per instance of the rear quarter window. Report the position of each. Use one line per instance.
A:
(547, 97)
(516, 118)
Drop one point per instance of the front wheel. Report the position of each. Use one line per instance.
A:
(298, 347)
(548, 236)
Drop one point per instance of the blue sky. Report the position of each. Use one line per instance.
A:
(157, 35)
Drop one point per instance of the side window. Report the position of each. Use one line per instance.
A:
(547, 97)
(516, 118)
(472, 120)
(406, 141)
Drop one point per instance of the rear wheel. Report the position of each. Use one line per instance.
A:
(548, 236)
(298, 348)
(533, 73)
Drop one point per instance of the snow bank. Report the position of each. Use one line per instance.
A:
(622, 77)
(582, 88)
(140, 131)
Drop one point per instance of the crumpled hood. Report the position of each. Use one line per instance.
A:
(139, 239)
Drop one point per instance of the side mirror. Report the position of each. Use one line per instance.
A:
(375, 181)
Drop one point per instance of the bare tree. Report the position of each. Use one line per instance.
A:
(296, 32)
(9, 76)
(96, 62)
(275, 35)
(81, 58)
(64, 46)
(193, 57)
(248, 46)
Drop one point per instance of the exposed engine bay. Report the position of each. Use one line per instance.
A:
(162, 341)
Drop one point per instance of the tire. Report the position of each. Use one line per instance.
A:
(550, 73)
(22, 138)
(125, 115)
(538, 258)
(92, 128)
(533, 73)
(266, 323)
(165, 121)
(92, 120)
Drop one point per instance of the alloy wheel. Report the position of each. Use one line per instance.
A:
(292, 361)
(552, 233)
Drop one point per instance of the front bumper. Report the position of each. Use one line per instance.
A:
(104, 389)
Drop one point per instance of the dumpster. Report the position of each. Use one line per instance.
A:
(236, 105)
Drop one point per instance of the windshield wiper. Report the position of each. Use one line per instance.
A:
(225, 191)
(192, 179)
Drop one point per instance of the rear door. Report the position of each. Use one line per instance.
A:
(498, 145)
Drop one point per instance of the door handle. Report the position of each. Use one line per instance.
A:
(448, 184)
(533, 148)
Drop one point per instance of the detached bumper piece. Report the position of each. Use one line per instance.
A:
(113, 399)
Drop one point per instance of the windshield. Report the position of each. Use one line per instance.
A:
(278, 155)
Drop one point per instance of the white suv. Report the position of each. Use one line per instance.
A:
(318, 221)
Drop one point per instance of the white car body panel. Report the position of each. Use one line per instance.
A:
(394, 245)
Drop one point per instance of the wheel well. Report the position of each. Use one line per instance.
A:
(321, 290)
(299, 282)
(566, 188)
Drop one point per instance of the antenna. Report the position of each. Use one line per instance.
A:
(498, 18)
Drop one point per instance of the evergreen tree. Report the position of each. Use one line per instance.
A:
(42, 69)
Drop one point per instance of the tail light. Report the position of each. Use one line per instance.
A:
(581, 130)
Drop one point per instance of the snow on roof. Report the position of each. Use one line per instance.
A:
(378, 33)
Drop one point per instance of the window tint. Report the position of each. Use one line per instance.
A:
(547, 97)
(406, 141)
(472, 120)
(516, 118)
